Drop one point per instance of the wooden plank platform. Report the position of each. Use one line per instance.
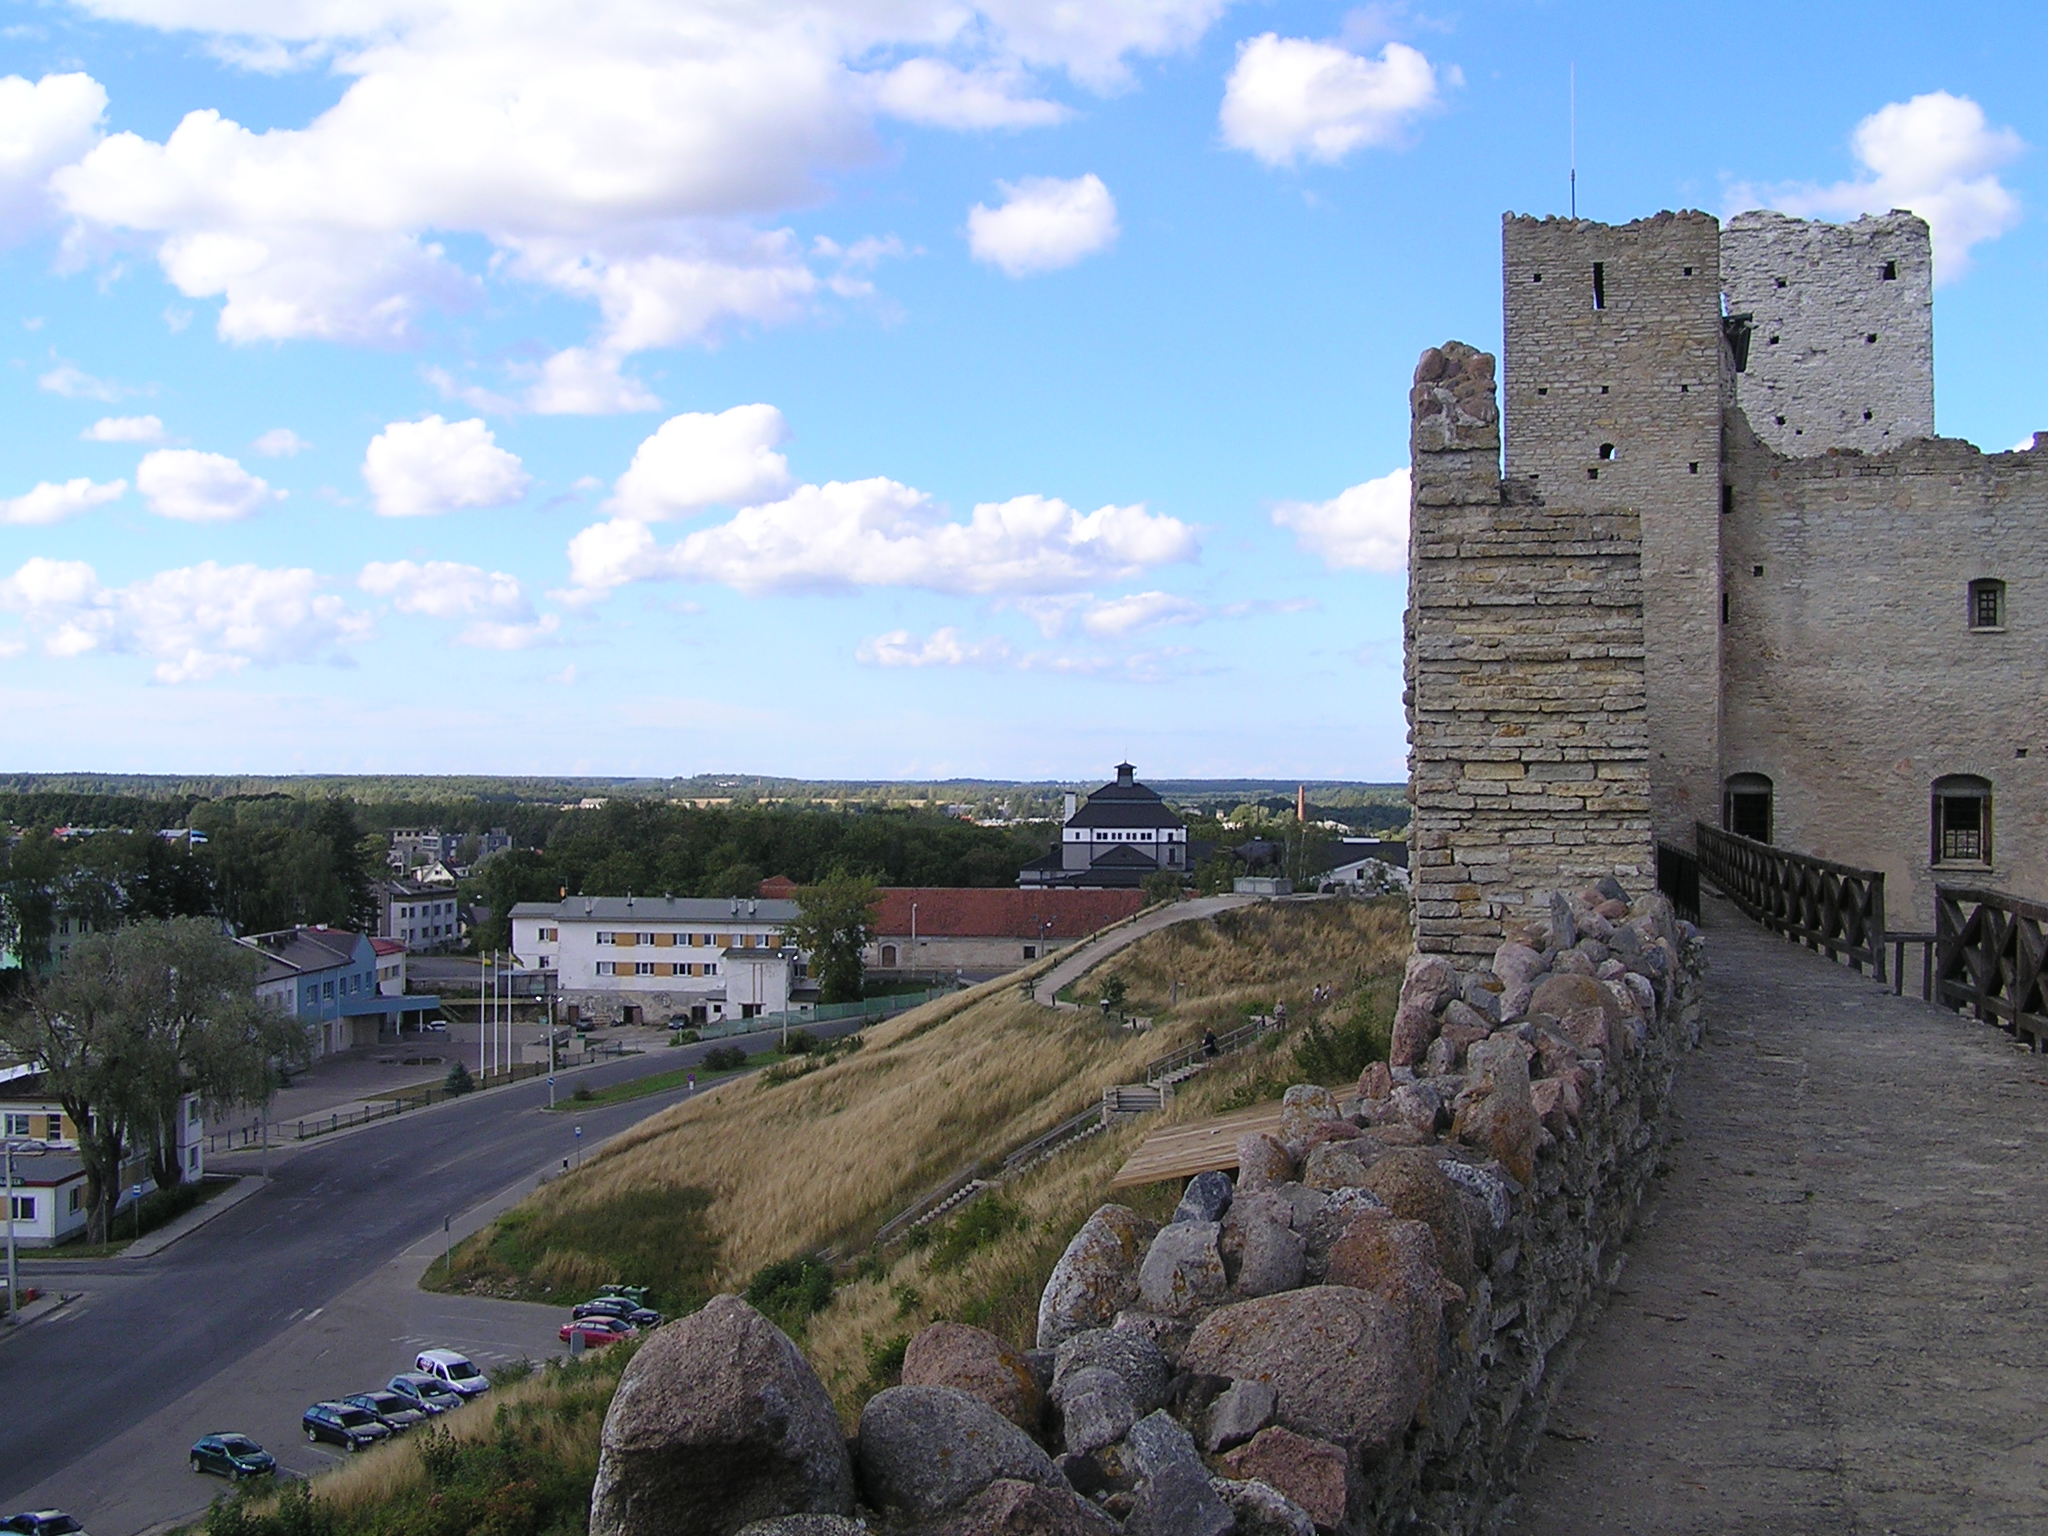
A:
(1200, 1146)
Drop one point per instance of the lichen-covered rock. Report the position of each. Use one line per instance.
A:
(1495, 1112)
(718, 1421)
(1414, 1025)
(1586, 1028)
(1441, 1059)
(1173, 1497)
(1096, 1277)
(1341, 1361)
(1302, 1108)
(1327, 1224)
(1516, 964)
(1429, 981)
(1485, 1185)
(1334, 1165)
(1562, 995)
(1419, 1105)
(1262, 1162)
(1262, 1253)
(1130, 1354)
(1206, 1198)
(1375, 1082)
(806, 1525)
(1411, 1185)
(1556, 1102)
(1262, 1510)
(1008, 1507)
(1308, 1471)
(1237, 1414)
(1166, 1334)
(1183, 1269)
(927, 1450)
(978, 1363)
(1095, 1410)
(1481, 991)
(1397, 1260)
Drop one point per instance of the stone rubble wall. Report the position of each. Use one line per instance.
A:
(1529, 754)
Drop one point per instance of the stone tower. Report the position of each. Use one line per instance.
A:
(1617, 369)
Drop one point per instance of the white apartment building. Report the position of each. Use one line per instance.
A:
(420, 916)
(649, 959)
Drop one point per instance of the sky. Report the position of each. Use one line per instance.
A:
(854, 388)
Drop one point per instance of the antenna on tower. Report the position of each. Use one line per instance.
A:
(1575, 139)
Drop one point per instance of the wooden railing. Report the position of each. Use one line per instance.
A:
(1678, 877)
(1989, 951)
(1830, 907)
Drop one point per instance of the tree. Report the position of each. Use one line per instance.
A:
(835, 921)
(354, 862)
(135, 1020)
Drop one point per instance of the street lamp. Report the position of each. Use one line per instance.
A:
(34, 1149)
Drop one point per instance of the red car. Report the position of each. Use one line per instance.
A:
(598, 1331)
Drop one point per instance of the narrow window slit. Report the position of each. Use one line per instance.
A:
(1599, 285)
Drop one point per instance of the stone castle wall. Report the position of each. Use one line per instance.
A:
(1840, 355)
(1526, 697)
(1854, 679)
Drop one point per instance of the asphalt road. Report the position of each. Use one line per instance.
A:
(334, 1215)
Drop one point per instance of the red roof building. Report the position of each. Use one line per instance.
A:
(974, 933)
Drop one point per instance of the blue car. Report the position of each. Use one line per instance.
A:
(233, 1457)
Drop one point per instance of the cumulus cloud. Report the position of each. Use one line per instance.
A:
(1043, 224)
(74, 383)
(942, 648)
(1140, 610)
(1362, 529)
(43, 125)
(877, 533)
(195, 487)
(947, 647)
(195, 623)
(124, 429)
(1290, 97)
(419, 468)
(49, 503)
(501, 617)
(629, 152)
(702, 460)
(1936, 155)
(279, 443)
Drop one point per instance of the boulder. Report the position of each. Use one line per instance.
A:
(1375, 1082)
(1586, 1028)
(1329, 1224)
(1130, 1354)
(1466, 1019)
(1413, 1027)
(1341, 1361)
(1610, 889)
(1334, 1165)
(1555, 1053)
(806, 1525)
(1556, 1102)
(1009, 1507)
(978, 1363)
(1485, 1185)
(1516, 964)
(1095, 1410)
(1237, 1415)
(1262, 1162)
(1262, 1511)
(927, 1450)
(1562, 995)
(1262, 1253)
(1570, 963)
(1206, 1198)
(1183, 1269)
(1429, 982)
(1096, 1277)
(1302, 1108)
(717, 1422)
(1189, 1395)
(1416, 1104)
(1396, 1260)
(1166, 1334)
(1441, 1059)
(1481, 992)
(1413, 1187)
(1496, 1113)
(1564, 932)
(1309, 1472)
(1332, 1130)
(1173, 1496)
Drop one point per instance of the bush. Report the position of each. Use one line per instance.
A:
(724, 1058)
(683, 1037)
(458, 1080)
(885, 1361)
(799, 1043)
(582, 1093)
(1336, 1053)
(1161, 885)
(985, 1221)
(790, 1291)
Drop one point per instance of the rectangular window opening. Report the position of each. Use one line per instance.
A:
(1599, 285)
(1890, 274)
(1724, 607)
(1727, 499)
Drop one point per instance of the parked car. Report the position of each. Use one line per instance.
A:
(598, 1331)
(349, 1427)
(231, 1456)
(452, 1370)
(619, 1307)
(400, 1413)
(43, 1522)
(424, 1391)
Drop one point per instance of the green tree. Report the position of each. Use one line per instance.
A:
(835, 921)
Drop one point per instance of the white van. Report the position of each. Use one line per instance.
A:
(458, 1371)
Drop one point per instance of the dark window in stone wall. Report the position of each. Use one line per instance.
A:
(1746, 804)
(1987, 604)
(1962, 819)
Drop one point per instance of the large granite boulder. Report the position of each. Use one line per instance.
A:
(1496, 1113)
(718, 1421)
(1183, 1269)
(1310, 1472)
(1097, 1277)
(1262, 1162)
(1564, 994)
(1127, 1352)
(1008, 1507)
(1206, 1198)
(1095, 1410)
(978, 1363)
(1302, 1108)
(1341, 1361)
(1173, 1496)
(1262, 1253)
(1397, 1259)
(927, 1450)
(1413, 1187)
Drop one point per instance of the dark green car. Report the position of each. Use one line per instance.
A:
(231, 1456)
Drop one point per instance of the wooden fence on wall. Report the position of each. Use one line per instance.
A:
(1831, 907)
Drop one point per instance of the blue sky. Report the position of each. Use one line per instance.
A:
(873, 388)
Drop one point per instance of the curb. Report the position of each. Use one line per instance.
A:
(246, 1184)
(37, 1310)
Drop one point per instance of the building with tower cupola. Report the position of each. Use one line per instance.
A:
(1116, 837)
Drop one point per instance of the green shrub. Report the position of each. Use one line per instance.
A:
(458, 1080)
(724, 1058)
(1337, 1052)
(799, 1043)
(790, 1290)
(885, 1361)
(985, 1221)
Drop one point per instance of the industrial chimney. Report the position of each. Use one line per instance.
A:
(1301, 803)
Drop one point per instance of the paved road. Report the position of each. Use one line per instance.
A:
(1085, 957)
(1828, 1322)
(209, 1308)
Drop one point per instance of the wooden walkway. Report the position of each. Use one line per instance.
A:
(1201, 1146)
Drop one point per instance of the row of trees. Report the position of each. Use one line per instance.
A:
(134, 1021)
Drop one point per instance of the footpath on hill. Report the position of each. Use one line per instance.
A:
(1089, 953)
(1834, 1316)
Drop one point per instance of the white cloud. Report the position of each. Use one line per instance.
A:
(1043, 224)
(939, 95)
(2024, 445)
(418, 468)
(124, 429)
(941, 648)
(1363, 529)
(49, 503)
(702, 460)
(279, 443)
(194, 623)
(501, 617)
(1290, 97)
(1140, 610)
(43, 125)
(74, 383)
(1090, 39)
(876, 533)
(196, 487)
(494, 635)
(578, 381)
(1935, 155)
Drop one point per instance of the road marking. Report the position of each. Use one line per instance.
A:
(314, 1313)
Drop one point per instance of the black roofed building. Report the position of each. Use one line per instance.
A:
(1119, 835)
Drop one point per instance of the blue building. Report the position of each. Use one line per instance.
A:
(327, 977)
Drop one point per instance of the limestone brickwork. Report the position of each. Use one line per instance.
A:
(1841, 329)
(1525, 670)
